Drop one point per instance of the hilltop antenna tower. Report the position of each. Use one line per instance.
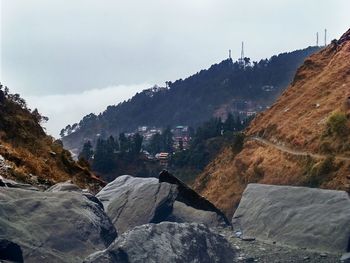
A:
(229, 54)
(325, 37)
(241, 59)
(317, 39)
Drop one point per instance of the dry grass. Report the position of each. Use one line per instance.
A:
(35, 157)
(298, 119)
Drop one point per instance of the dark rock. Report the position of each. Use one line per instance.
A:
(10, 251)
(54, 226)
(191, 198)
(167, 242)
(2, 97)
(344, 38)
(244, 238)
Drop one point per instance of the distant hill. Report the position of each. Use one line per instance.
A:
(303, 139)
(225, 87)
(28, 155)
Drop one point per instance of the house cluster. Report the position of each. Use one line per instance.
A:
(148, 132)
(244, 108)
(181, 139)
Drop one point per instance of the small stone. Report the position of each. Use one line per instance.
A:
(306, 258)
(323, 255)
(238, 234)
(249, 260)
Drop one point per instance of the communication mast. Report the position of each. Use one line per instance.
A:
(241, 60)
(317, 39)
(325, 37)
(229, 54)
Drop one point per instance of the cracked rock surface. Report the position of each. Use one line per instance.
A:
(53, 226)
(167, 242)
(131, 201)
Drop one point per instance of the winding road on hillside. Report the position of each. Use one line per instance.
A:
(286, 149)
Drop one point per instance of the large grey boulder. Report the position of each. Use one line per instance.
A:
(298, 216)
(167, 242)
(131, 201)
(53, 226)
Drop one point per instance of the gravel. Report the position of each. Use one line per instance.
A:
(257, 251)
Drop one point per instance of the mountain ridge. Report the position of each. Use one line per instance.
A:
(311, 115)
(211, 92)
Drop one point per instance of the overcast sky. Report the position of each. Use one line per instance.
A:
(70, 58)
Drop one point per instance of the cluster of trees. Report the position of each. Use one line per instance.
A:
(104, 157)
(18, 100)
(161, 142)
(208, 141)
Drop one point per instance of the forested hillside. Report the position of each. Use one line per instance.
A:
(212, 92)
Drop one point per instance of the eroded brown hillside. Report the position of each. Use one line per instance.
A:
(28, 155)
(310, 126)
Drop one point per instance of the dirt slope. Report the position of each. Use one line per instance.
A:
(311, 116)
(28, 155)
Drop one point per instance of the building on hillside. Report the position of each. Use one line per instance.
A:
(250, 113)
(142, 129)
(163, 158)
(181, 137)
(148, 132)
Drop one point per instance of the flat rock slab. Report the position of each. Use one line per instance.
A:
(53, 226)
(297, 216)
(167, 242)
(131, 201)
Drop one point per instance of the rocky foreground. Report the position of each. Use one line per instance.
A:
(162, 220)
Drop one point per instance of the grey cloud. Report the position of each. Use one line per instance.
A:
(58, 47)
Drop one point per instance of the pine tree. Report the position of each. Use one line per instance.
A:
(136, 144)
(123, 143)
(87, 151)
(104, 156)
(168, 140)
